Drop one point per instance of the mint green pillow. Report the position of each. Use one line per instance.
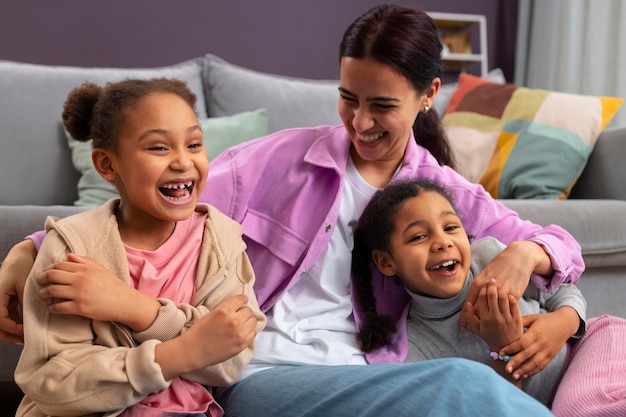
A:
(93, 190)
(219, 133)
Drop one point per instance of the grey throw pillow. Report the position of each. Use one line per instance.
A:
(290, 102)
(31, 103)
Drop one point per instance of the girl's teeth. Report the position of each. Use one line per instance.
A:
(443, 265)
(177, 192)
(175, 186)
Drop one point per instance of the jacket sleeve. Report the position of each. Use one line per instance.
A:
(71, 365)
(234, 277)
(240, 280)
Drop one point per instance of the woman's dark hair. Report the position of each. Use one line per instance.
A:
(98, 113)
(405, 39)
(373, 231)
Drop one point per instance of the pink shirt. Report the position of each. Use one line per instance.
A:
(170, 272)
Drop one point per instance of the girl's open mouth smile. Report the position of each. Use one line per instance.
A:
(177, 191)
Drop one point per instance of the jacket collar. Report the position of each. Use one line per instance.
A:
(331, 150)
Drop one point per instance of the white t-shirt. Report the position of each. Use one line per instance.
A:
(312, 323)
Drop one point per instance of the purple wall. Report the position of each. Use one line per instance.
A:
(290, 37)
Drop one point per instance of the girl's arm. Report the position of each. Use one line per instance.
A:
(238, 280)
(216, 337)
(73, 365)
(83, 287)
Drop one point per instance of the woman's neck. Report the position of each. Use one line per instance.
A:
(376, 173)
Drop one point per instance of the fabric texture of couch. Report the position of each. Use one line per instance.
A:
(41, 178)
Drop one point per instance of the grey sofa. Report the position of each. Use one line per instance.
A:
(39, 177)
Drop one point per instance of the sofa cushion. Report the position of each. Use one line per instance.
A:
(603, 244)
(601, 178)
(219, 133)
(290, 102)
(92, 189)
(442, 99)
(520, 142)
(33, 143)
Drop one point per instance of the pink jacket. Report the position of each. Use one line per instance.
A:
(285, 191)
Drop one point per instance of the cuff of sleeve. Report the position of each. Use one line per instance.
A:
(564, 269)
(144, 374)
(37, 238)
(167, 325)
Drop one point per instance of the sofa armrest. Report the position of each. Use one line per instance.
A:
(597, 225)
(17, 222)
(604, 174)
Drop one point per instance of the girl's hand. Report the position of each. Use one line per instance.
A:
(83, 287)
(500, 317)
(500, 323)
(511, 270)
(545, 336)
(214, 338)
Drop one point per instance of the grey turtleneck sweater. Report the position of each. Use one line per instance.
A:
(434, 332)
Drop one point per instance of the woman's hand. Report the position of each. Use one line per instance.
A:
(545, 336)
(13, 274)
(11, 327)
(83, 287)
(511, 270)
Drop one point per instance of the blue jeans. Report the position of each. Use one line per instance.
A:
(435, 388)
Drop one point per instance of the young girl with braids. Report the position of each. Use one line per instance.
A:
(410, 231)
(182, 316)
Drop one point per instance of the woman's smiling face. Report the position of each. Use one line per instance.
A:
(378, 107)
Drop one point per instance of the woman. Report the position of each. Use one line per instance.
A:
(298, 195)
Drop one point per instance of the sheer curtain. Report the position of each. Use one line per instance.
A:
(574, 46)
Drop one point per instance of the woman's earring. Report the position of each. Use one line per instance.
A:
(426, 108)
(110, 178)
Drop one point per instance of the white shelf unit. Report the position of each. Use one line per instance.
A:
(461, 22)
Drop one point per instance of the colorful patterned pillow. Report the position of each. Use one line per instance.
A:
(520, 142)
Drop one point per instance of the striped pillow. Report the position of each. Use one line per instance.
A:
(520, 142)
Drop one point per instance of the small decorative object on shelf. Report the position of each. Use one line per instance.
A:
(455, 31)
